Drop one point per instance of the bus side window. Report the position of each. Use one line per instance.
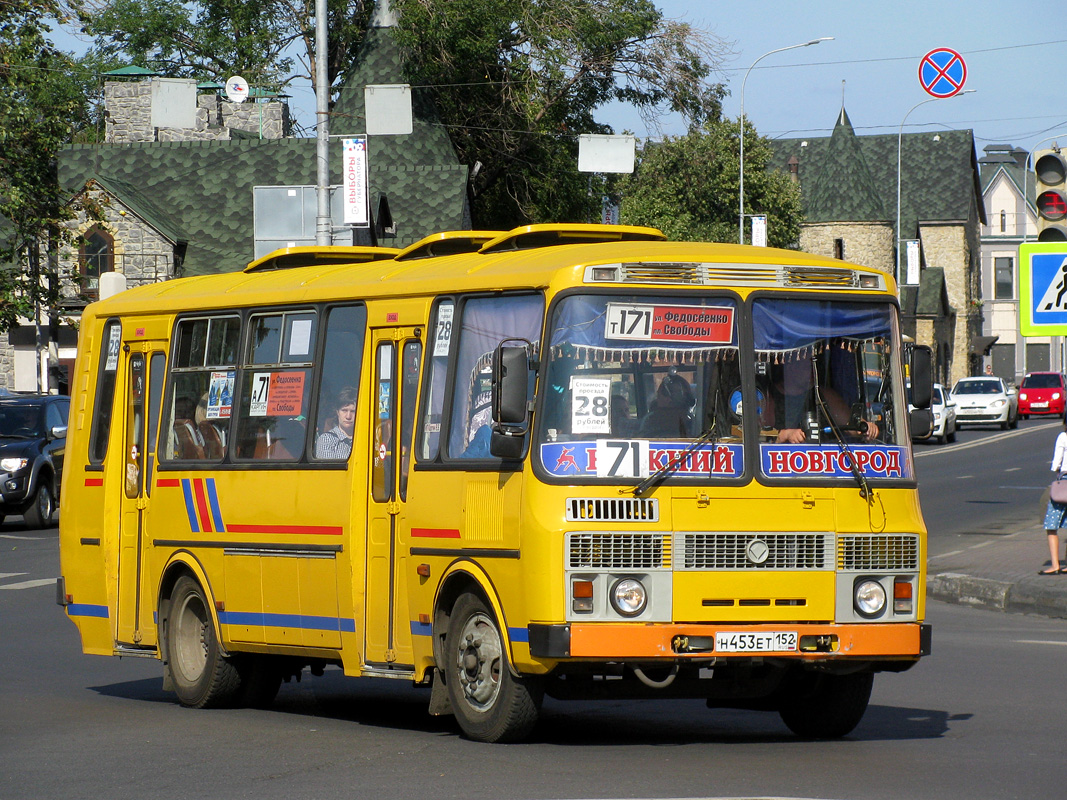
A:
(196, 418)
(482, 323)
(338, 391)
(104, 403)
(272, 420)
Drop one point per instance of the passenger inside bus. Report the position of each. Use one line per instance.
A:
(671, 409)
(337, 441)
(791, 406)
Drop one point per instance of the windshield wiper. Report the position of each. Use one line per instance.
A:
(707, 436)
(861, 479)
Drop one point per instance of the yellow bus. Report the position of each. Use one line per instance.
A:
(572, 460)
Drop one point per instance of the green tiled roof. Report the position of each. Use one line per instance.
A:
(200, 192)
(939, 176)
(843, 164)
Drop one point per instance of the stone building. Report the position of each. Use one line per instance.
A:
(849, 190)
(173, 190)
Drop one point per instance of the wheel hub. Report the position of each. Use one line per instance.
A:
(479, 660)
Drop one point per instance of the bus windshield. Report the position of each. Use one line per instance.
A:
(639, 384)
(632, 381)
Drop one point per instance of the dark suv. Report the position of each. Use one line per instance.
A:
(33, 434)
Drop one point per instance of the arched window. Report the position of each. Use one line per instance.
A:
(97, 256)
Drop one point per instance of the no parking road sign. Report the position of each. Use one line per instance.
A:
(942, 72)
(1043, 288)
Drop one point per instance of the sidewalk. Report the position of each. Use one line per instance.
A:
(1001, 574)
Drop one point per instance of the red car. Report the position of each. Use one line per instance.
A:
(1042, 393)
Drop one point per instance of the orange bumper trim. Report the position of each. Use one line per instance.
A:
(612, 641)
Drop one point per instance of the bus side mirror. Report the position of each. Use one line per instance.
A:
(511, 381)
(922, 379)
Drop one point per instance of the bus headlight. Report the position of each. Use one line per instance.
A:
(628, 597)
(869, 597)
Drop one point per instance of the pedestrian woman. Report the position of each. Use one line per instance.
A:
(1056, 512)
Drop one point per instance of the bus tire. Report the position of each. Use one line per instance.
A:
(202, 676)
(490, 704)
(823, 706)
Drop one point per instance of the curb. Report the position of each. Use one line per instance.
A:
(1023, 597)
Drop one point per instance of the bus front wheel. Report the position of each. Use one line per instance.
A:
(823, 706)
(203, 677)
(490, 704)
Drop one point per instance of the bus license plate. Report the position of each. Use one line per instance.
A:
(759, 642)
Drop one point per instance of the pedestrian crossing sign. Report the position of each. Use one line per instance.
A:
(1043, 288)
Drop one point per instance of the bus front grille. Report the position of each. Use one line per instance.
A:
(612, 509)
(750, 551)
(619, 551)
(891, 552)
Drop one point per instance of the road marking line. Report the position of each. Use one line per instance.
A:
(5, 575)
(21, 538)
(1040, 641)
(1013, 469)
(963, 477)
(30, 584)
(952, 448)
(945, 555)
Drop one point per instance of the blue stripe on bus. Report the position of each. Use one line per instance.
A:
(86, 610)
(213, 498)
(300, 621)
(421, 628)
(426, 629)
(190, 508)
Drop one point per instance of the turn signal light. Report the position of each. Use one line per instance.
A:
(902, 596)
(582, 597)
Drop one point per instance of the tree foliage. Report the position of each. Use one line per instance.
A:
(688, 187)
(516, 81)
(258, 39)
(43, 104)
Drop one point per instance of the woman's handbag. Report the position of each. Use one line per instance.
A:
(1058, 491)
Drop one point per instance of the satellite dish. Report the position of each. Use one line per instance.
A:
(236, 89)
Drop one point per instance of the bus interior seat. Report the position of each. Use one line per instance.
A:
(189, 441)
(214, 443)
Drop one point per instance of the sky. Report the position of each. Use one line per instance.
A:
(872, 65)
(876, 52)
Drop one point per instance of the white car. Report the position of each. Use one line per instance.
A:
(984, 399)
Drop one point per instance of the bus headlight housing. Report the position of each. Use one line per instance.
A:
(628, 597)
(869, 597)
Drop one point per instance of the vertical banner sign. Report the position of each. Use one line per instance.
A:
(759, 230)
(354, 165)
(912, 249)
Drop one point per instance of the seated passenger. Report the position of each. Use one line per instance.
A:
(670, 415)
(337, 442)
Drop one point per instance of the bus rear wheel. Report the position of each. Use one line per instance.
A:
(203, 677)
(490, 704)
(822, 706)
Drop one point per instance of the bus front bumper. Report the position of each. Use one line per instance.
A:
(635, 642)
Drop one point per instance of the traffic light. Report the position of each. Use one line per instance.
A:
(1050, 169)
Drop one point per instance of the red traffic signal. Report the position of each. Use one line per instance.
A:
(1052, 205)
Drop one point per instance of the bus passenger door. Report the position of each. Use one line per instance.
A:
(397, 359)
(142, 393)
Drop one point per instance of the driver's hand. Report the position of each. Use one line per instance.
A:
(791, 436)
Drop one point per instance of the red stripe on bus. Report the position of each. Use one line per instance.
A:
(201, 505)
(312, 530)
(434, 533)
(168, 483)
(94, 481)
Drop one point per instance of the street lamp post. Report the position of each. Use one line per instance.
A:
(900, 140)
(741, 202)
